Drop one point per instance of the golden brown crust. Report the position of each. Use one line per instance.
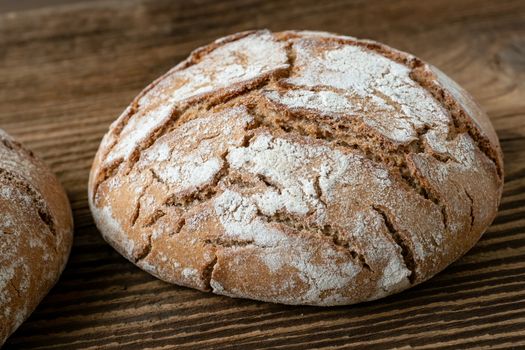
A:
(297, 167)
(36, 230)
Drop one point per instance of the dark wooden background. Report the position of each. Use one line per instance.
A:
(67, 71)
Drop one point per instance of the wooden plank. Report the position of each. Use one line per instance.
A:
(19, 5)
(68, 71)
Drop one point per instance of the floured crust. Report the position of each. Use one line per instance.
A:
(297, 167)
(36, 229)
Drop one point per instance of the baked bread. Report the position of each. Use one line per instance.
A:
(36, 232)
(298, 168)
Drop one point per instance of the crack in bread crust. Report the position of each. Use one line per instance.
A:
(401, 241)
(462, 122)
(472, 216)
(146, 251)
(38, 201)
(208, 272)
(327, 230)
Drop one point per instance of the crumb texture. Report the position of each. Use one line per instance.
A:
(35, 233)
(297, 167)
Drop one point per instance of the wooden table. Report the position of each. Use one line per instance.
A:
(66, 72)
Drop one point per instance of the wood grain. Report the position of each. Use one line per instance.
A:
(67, 72)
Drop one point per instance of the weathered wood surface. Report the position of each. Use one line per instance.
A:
(67, 72)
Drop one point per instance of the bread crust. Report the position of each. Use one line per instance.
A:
(299, 168)
(36, 232)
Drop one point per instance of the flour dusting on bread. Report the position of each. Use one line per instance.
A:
(296, 167)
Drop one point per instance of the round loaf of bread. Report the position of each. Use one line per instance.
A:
(36, 233)
(298, 168)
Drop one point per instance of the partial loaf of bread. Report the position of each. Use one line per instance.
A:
(299, 168)
(36, 232)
